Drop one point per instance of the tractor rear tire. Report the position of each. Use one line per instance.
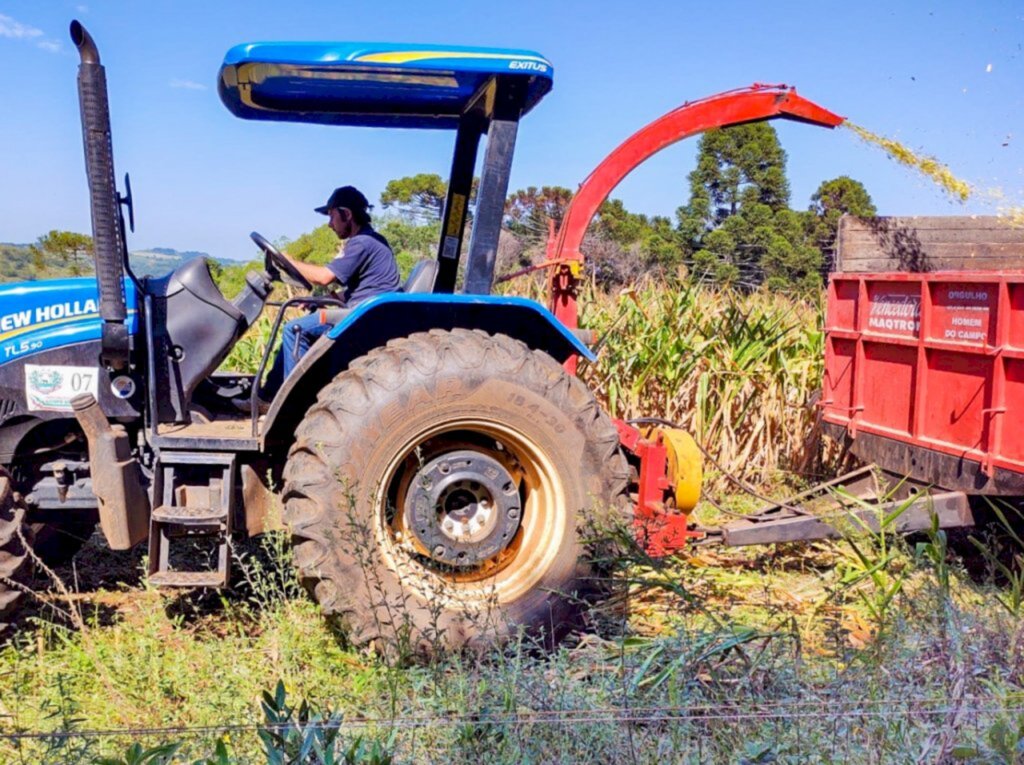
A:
(384, 430)
(14, 559)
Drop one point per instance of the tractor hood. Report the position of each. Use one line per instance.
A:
(41, 316)
(372, 84)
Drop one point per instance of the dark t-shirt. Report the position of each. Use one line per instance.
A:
(366, 267)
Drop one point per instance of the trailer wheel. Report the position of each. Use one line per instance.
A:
(14, 562)
(439, 491)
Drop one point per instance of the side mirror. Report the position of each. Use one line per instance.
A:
(126, 201)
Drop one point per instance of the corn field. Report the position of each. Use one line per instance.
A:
(736, 370)
(247, 353)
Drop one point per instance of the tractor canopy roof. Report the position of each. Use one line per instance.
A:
(375, 84)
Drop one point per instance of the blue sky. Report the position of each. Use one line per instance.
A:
(945, 78)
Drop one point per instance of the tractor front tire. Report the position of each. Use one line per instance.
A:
(440, 492)
(14, 559)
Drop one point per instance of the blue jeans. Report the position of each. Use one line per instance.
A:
(299, 335)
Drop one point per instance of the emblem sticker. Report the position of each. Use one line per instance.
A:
(122, 386)
(51, 388)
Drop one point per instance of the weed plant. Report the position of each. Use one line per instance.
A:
(771, 655)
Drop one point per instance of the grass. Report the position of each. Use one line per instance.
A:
(773, 655)
(871, 649)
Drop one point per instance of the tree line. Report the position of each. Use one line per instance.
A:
(737, 227)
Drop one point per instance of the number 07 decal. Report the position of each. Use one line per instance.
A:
(51, 388)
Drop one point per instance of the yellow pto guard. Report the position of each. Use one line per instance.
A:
(668, 486)
(685, 467)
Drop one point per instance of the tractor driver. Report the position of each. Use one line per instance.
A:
(365, 267)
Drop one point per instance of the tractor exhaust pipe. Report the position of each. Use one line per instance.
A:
(107, 233)
(116, 478)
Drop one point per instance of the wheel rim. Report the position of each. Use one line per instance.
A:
(540, 532)
(461, 508)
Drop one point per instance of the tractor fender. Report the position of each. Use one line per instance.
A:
(373, 323)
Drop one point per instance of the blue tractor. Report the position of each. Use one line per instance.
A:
(433, 461)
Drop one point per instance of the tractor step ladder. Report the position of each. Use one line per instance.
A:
(196, 496)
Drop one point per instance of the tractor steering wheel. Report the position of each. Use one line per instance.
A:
(278, 266)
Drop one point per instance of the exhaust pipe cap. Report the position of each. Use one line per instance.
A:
(83, 41)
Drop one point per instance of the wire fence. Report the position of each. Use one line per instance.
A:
(825, 731)
(818, 709)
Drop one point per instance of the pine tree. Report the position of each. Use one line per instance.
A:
(829, 203)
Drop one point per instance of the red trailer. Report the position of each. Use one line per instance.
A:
(924, 355)
(924, 375)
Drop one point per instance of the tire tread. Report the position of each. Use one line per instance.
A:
(320, 439)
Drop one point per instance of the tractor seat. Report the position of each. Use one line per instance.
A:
(421, 278)
(194, 277)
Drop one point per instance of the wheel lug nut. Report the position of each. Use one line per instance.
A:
(513, 513)
(439, 551)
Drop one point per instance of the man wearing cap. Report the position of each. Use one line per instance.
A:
(365, 267)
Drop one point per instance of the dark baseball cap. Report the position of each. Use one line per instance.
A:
(345, 196)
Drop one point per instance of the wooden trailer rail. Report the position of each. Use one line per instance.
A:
(926, 244)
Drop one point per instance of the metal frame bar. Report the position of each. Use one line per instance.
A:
(151, 403)
(456, 205)
(254, 414)
(946, 510)
(490, 207)
(490, 198)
